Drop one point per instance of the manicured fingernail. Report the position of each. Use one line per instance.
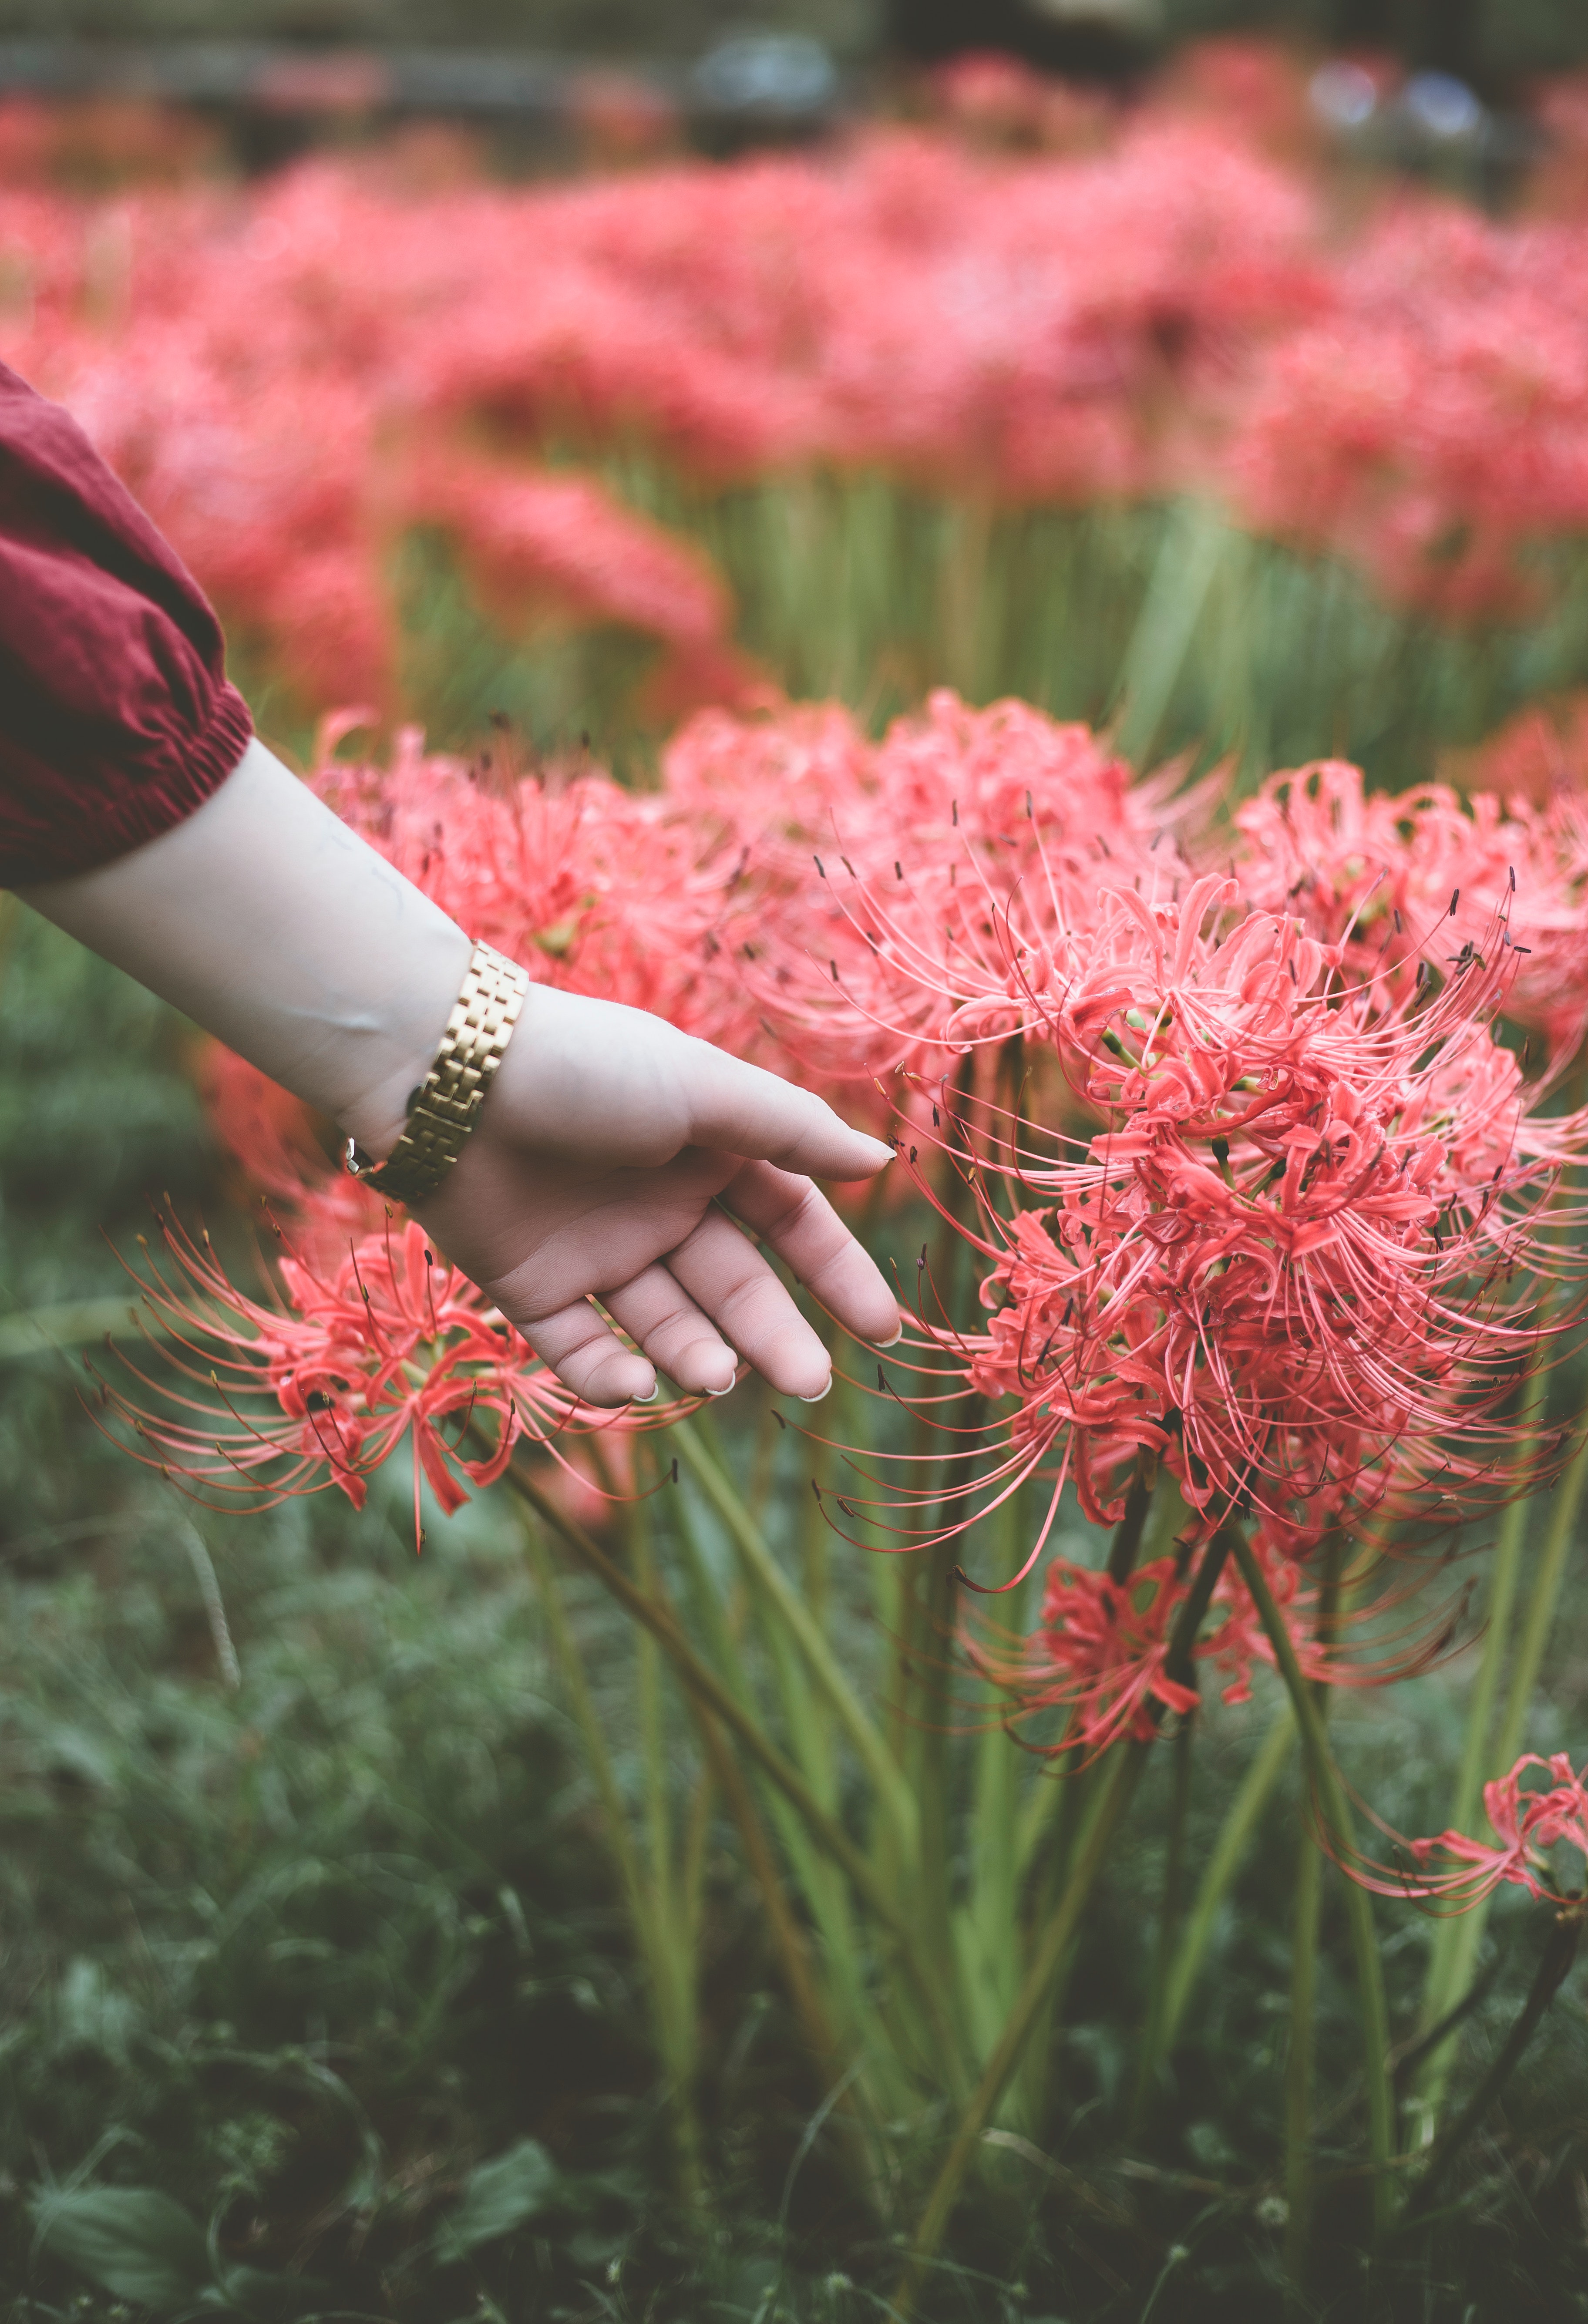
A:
(819, 1394)
(892, 1342)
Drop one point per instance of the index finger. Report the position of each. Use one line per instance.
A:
(807, 1234)
(742, 1110)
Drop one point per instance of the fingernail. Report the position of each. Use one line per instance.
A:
(892, 1342)
(650, 1395)
(820, 1393)
(731, 1384)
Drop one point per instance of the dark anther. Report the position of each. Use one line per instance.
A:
(898, 869)
(316, 1401)
(1455, 900)
(1221, 1151)
(820, 870)
(675, 1468)
(430, 1258)
(778, 1416)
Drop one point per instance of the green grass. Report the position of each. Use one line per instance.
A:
(1161, 619)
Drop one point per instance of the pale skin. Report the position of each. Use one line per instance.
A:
(609, 1153)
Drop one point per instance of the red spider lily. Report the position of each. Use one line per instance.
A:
(1392, 877)
(1341, 441)
(533, 537)
(883, 876)
(590, 886)
(1101, 1651)
(1100, 1654)
(272, 370)
(1164, 303)
(1301, 1265)
(1457, 1872)
(319, 1386)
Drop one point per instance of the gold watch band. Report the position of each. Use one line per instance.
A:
(447, 1104)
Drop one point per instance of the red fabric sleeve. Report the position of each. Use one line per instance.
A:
(116, 716)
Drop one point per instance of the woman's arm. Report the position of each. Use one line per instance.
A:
(610, 1144)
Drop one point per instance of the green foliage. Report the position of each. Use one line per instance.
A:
(1166, 619)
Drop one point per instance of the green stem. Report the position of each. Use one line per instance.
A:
(1537, 1622)
(1300, 2181)
(1120, 1774)
(989, 1960)
(798, 1623)
(1234, 1839)
(669, 1981)
(826, 1897)
(1299, 2175)
(1126, 1543)
(1330, 1794)
(653, 1746)
(704, 1683)
(1193, 539)
(1443, 1978)
(1168, 1921)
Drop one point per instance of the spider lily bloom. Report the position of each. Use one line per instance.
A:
(1101, 1652)
(1340, 444)
(588, 886)
(1458, 1872)
(1393, 878)
(320, 1385)
(890, 879)
(1300, 1265)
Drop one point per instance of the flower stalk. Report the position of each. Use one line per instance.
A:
(1329, 1794)
(1116, 1784)
(1456, 1960)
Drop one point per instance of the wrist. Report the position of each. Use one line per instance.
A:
(442, 1112)
(384, 1061)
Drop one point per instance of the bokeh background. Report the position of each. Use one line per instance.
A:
(303, 1916)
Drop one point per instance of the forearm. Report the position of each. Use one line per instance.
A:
(264, 918)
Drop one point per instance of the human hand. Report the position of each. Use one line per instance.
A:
(608, 1151)
(603, 1165)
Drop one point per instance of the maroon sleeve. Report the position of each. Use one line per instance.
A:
(116, 716)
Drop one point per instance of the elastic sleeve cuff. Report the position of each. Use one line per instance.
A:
(119, 821)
